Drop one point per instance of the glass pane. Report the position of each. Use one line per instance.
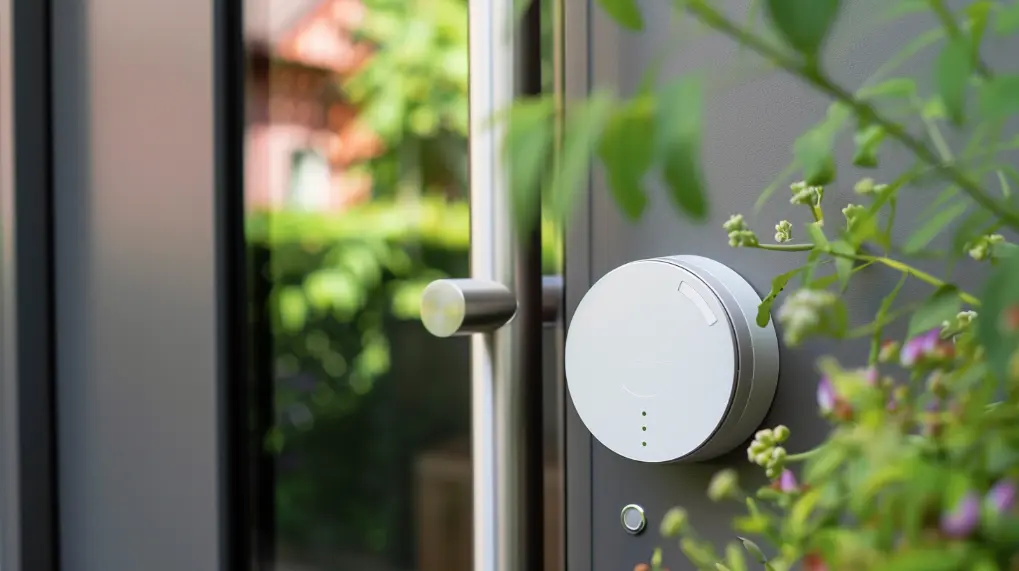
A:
(356, 198)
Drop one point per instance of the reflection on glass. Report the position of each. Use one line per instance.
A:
(355, 192)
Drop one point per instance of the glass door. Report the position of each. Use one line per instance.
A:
(249, 198)
(363, 184)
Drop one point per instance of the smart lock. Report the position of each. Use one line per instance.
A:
(665, 361)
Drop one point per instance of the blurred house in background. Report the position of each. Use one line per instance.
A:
(302, 137)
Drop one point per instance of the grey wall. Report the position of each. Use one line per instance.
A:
(750, 127)
(136, 287)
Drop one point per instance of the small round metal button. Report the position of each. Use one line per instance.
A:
(632, 518)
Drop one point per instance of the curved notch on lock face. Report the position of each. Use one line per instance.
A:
(665, 361)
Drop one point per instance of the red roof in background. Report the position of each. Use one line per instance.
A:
(323, 37)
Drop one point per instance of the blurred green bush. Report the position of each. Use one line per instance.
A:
(336, 289)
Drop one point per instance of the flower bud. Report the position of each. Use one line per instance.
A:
(778, 456)
(864, 186)
(723, 485)
(805, 194)
(675, 522)
(889, 351)
(852, 213)
(735, 223)
(781, 433)
(983, 248)
(783, 231)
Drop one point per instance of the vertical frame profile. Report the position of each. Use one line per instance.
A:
(576, 65)
(245, 473)
(139, 249)
(28, 520)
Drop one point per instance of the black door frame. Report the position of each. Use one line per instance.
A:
(28, 520)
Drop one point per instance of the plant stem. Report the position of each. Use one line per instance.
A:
(785, 247)
(952, 29)
(877, 326)
(918, 274)
(803, 455)
(883, 260)
(935, 134)
(817, 79)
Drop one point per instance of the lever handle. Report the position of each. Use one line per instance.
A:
(455, 307)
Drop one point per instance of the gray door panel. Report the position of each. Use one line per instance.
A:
(750, 127)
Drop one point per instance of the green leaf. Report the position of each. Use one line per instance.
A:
(583, 127)
(1007, 19)
(626, 13)
(896, 10)
(817, 236)
(995, 326)
(778, 284)
(868, 141)
(679, 145)
(783, 177)
(813, 151)
(753, 549)
(892, 87)
(527, 146)
(879, 318)
(952, 71)
(626, 151)
(933, 226)
(931, 559)
(999, 97)
(735, 558)
(800, 513)
(804, 24)
(843, 264)
(977, 14)
(973, 225)
(943, 306)
(824, 463)
(943, 197)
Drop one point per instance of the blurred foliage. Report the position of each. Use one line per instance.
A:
(340, 286)
(920, 469)
(413, 93)
(356, 269)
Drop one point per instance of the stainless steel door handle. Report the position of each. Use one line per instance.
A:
(503, 304)
(453, 307)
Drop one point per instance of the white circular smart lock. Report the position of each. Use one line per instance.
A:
(665, 361)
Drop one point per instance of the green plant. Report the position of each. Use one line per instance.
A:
(920, 469)
(338, 279)
(413, 93)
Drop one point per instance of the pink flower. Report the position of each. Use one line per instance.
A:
(964, 517)
(919, 347)
(826, 397)
(870, 375)
(1001, 497)
(787, 482)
